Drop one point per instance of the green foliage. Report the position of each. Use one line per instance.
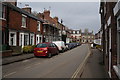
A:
(98, 46)
(28, 49)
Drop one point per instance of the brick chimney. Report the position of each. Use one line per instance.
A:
(56, 19)
(40, 15)
(46, 13)
(13, 2)
(27, 8)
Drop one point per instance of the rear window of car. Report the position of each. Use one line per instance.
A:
(43, 45)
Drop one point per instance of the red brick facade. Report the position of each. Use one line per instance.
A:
(109, 36)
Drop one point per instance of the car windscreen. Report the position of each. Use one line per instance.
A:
(43, 45)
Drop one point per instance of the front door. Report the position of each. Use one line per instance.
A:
(21, 40)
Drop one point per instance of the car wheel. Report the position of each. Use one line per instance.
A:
(49, 55)
(57, 52)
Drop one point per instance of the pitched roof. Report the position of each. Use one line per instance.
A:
(22, 11)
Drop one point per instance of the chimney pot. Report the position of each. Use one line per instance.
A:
(28, 9)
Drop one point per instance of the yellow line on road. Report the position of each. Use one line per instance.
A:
(81, 66)
(9, 74)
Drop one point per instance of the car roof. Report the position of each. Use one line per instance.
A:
(45, 43)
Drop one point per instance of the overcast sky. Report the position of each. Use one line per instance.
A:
(75, 15)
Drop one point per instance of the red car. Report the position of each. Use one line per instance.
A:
(45, 49)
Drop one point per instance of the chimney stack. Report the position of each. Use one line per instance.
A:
(27, 8)
(13, 2)
(46, 13)
(56, 19)
(40, 15)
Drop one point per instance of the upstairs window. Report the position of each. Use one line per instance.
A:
(38, 25)
(24, 21)
(2, 10)
(73, 32)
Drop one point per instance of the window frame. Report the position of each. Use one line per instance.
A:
(38, 25)
(15, 38)
(73, 32)
(118, 40)
(24, 24)
(27, 39)
(31, 38)
(3, 10)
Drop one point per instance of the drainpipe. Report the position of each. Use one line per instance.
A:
(7, 27)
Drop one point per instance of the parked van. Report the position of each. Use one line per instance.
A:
(61, 45)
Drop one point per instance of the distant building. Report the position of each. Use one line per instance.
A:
(98, 37)
(82, 37)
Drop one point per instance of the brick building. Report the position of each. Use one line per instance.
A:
(109, 25)
(98, 37)
(51, 27)
(82, 37)
(19, 27)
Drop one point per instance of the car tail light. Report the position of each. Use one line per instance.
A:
(46, 51)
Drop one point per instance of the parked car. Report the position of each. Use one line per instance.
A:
(69, 46)
(45, 49)
(72, 45)
(61, 45)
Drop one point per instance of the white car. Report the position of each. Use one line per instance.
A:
(61, 45)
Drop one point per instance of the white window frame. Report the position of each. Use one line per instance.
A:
(37, 40)
(33, 39)
(21, 43)
(24, 26)
(23, 38)
(77, 32)
(27, 39)
(15, 38)
(73, 32)
(118, 49)
(38, 25)
(3, 12)
(38, 36)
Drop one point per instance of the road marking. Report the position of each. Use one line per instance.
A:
(9, 74)
(80, 66)
(27, 67)
(37, 64)
(25, 61)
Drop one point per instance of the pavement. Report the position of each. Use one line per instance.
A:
(12, 59)
(94, 67)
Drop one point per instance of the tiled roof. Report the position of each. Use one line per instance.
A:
(22, 11)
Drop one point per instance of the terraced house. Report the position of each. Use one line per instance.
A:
(82, 37)
(20, 28)
(51, 28)
(110, 20)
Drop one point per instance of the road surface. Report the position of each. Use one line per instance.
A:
(63, 65)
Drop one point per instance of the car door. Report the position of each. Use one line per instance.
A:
(50, 48)
(54, 48)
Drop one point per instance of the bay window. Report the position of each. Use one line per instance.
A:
(12, 38)
(31, 39)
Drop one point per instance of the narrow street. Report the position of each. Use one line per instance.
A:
(63, 65)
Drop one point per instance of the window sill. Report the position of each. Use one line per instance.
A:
(3, 19)
(117, 70)
(23, 26)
